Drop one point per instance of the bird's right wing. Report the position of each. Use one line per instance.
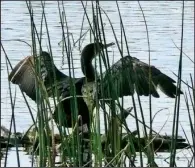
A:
(23, 75)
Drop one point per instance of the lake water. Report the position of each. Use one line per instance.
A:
(164, 25)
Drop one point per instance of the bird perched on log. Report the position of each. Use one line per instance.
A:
(127, 75)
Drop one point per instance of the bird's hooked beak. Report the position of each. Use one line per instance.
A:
(109, 44)
(104, 46)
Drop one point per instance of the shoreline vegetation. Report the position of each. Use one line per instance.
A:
(83, 147)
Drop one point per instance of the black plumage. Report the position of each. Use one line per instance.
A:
(130, 74)
(127, 75)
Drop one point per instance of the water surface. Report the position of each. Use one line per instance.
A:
(164, 25)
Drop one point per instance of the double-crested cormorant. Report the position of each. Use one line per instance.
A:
(127, 75)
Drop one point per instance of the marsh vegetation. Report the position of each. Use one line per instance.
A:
(87, 145)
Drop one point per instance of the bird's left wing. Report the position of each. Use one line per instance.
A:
(129, 74)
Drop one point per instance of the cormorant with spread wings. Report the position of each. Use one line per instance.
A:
(128, 74)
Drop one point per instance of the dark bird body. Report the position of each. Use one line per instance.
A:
(23, 75)
(127, 75)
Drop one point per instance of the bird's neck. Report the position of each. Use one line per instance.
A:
(87, 67)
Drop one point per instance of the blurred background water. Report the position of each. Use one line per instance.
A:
(164, 25)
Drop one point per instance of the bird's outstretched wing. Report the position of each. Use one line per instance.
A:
(130, 74)
(24, 74)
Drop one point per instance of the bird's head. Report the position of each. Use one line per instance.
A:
(93, 49)
(88, 53)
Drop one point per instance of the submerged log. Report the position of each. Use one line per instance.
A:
(8, 139)
(161, 143)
